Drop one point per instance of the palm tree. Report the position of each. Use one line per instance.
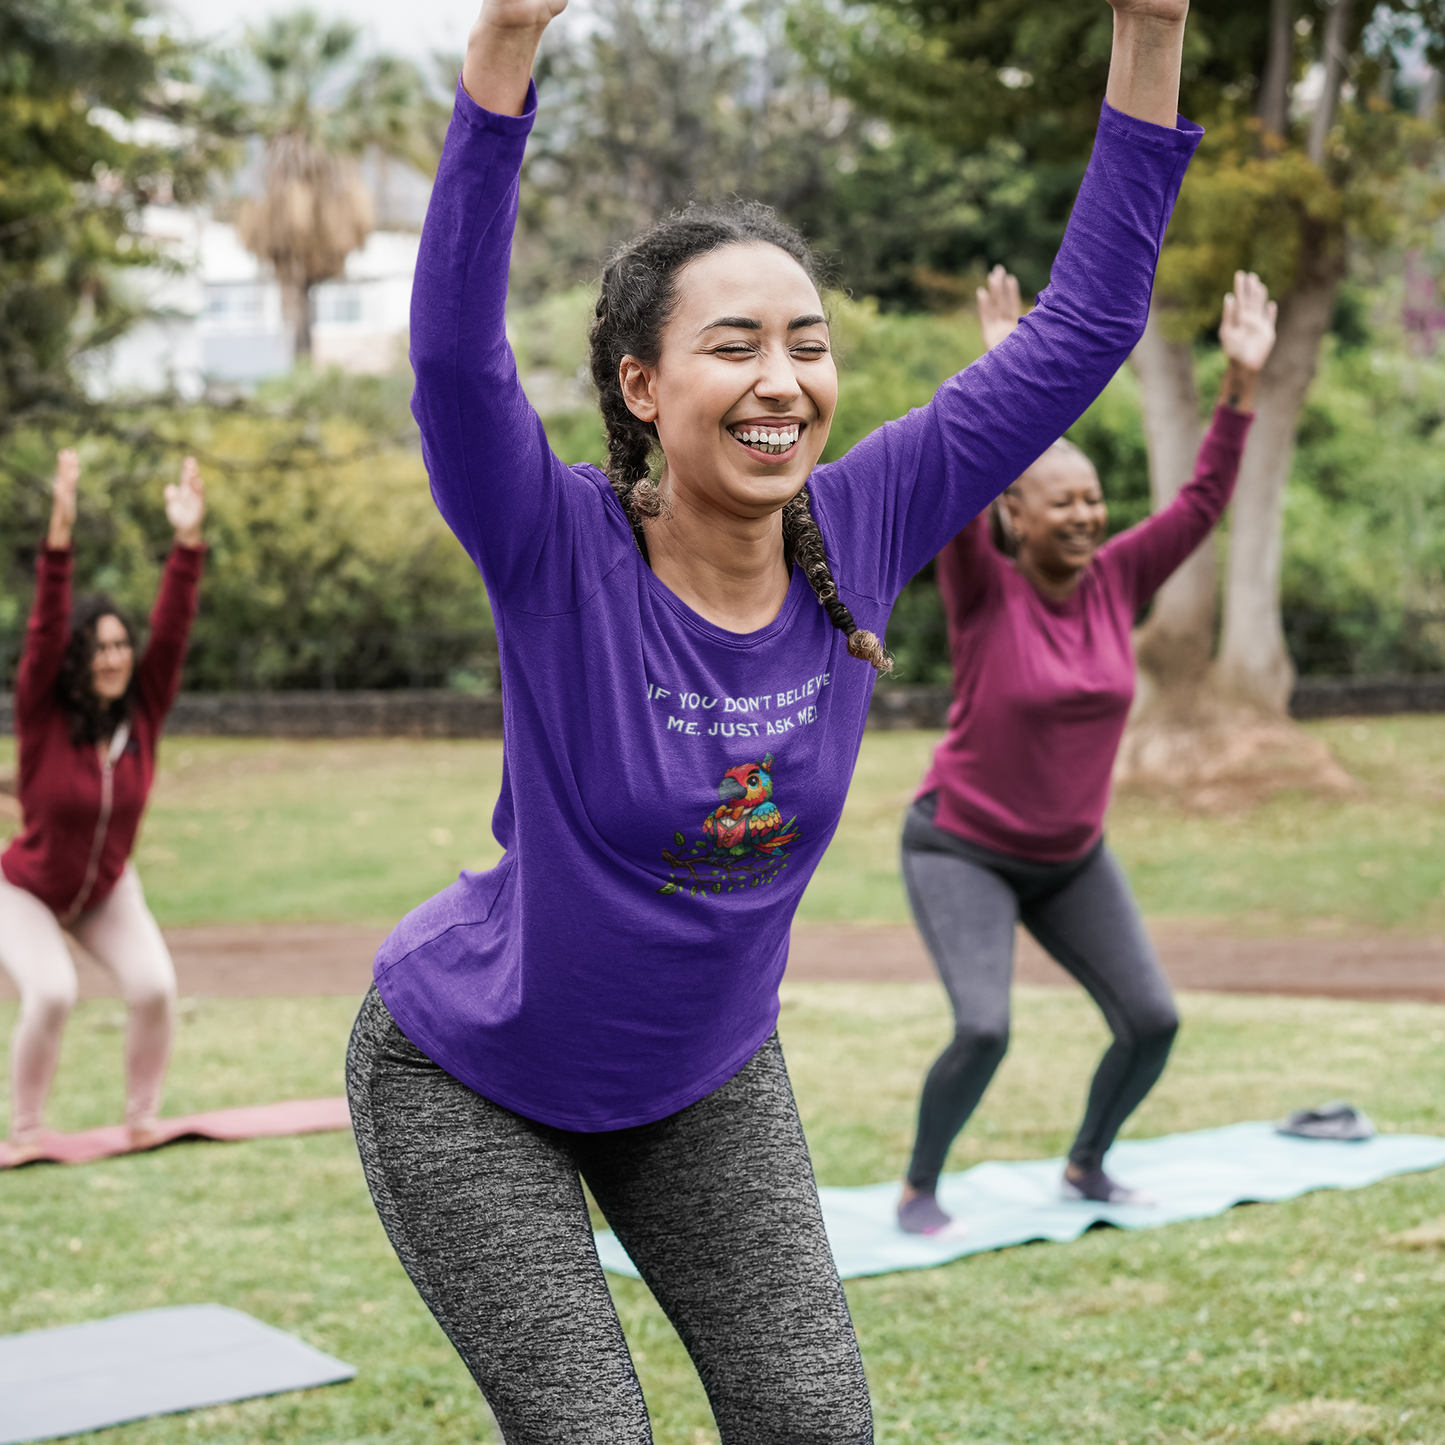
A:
(323, 107)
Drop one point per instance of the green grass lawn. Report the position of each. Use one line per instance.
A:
(245, 829)
(1224, 1330)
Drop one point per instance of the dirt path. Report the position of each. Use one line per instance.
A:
(261, 960)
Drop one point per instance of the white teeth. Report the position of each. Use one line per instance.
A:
(766, 439)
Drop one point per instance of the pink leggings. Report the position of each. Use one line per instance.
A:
(122, 933)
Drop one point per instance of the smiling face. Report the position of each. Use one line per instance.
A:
(744, 387)
(1057, 512)
(112, 661)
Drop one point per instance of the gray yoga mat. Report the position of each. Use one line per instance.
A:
(75, 1378)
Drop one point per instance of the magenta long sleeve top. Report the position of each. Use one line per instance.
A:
(669, 786)
(1042, 689)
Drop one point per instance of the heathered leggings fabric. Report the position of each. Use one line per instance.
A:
(716, 1205)
(967, 900)
(122, 934)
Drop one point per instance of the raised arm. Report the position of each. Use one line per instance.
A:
(917, 481)
(1146, 555)
(48, 630)
(524, 518)
(158, 673)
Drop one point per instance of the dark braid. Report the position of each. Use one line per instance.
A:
(804, 544)
(639, 291)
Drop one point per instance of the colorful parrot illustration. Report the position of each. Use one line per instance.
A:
(747, 820)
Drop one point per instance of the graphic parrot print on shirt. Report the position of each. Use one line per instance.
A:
(747, 817)
(745, 840)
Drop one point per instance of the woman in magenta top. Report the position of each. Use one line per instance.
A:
(88, 713)
(1008, 825)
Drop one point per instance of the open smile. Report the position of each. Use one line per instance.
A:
(775, 440)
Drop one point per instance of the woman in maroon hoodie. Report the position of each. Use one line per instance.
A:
(88, 713)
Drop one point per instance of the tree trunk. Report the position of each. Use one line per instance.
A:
(1219, 737)
(1337, 59)
(1254, 668)
(1274, 87)
(296, 312)
(1174, 646)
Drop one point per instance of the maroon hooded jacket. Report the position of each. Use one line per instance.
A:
(80, 825)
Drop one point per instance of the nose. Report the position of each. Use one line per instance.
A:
(729, 790)
(778, 381)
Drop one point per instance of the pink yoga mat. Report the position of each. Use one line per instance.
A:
(252, 1121)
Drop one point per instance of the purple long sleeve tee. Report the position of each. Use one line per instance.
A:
(669, 787)
(1042, 689)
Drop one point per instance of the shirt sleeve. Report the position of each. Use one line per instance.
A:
(46, 635)
(894, 500)
(158, 674)
(1147, 555)
(967, 566)
(538, 531)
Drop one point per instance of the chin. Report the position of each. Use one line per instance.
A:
(769, 493)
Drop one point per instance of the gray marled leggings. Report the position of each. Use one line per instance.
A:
(967, 900)
(716, 1204)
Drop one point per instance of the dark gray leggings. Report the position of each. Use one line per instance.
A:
(716, 1205)
(967, 900)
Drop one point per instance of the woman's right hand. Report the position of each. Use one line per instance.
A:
(501, 49)
(62, 509)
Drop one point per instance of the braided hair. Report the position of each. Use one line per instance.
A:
(638, 293)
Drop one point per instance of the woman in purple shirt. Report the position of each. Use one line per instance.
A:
(686, 665)
(1008, 826)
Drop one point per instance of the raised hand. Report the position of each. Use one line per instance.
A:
(186, 504)
(999, 306)
(500, 51)
(1246, 332)
(62, 508)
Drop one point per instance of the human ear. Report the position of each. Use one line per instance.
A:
(638, 384)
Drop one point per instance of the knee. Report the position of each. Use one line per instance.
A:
(49, 1003)
(154, 999)
(1154, 1029)
(974, 1038)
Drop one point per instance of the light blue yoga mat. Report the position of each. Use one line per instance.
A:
(83, 1377)
(1191, 1176)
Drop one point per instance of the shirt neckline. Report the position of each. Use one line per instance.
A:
(797, 585)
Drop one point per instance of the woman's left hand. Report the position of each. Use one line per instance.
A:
(186, 504)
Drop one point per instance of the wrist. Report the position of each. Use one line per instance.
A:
(189, 537)
(57, 538)
(498, 66)
(1237, 389)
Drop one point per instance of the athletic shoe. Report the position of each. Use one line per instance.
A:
(1330, 1121)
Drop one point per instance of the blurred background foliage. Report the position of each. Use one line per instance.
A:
(916, 145)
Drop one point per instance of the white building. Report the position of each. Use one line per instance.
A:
(214, 315)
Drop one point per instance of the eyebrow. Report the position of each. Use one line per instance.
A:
(748, 323)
